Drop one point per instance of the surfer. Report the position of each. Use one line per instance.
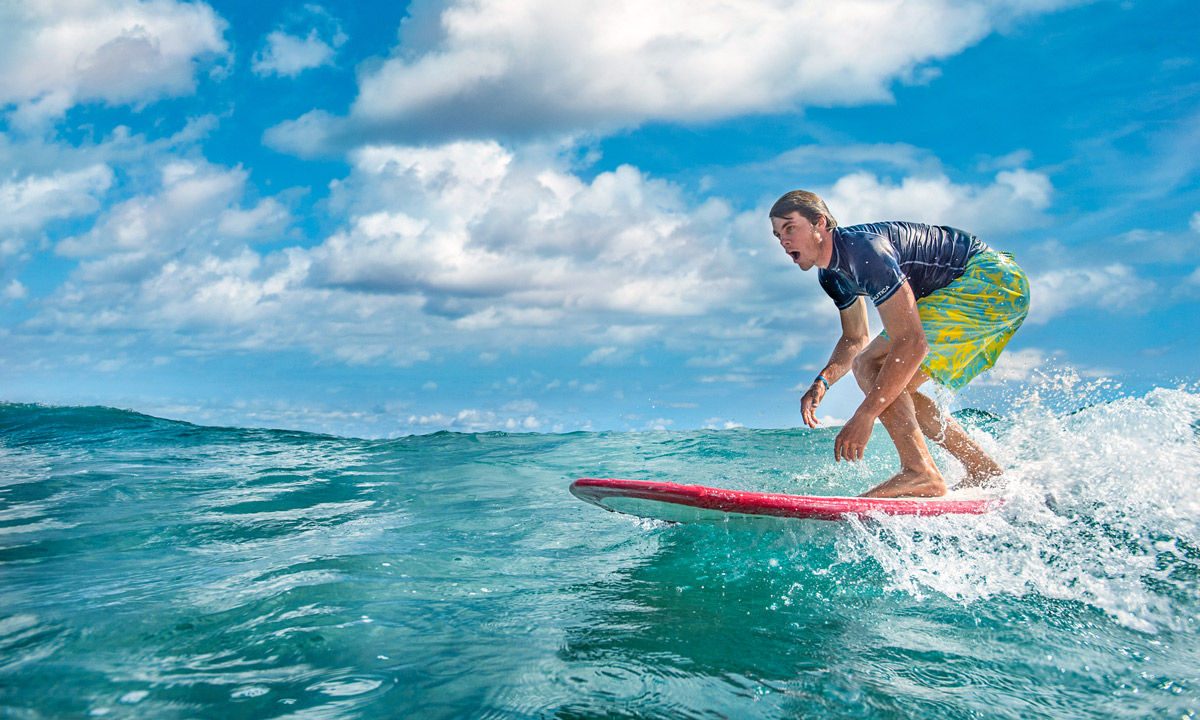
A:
(949, 305)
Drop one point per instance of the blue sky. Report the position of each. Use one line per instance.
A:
(377, 219)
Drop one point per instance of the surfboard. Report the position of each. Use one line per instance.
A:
(677, 503)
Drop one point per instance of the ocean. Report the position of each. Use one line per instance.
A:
(157, 569)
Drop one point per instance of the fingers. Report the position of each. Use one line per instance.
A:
(848, 452)
(846, 449)
(808, 408)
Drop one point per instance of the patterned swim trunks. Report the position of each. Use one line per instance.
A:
(968, 322)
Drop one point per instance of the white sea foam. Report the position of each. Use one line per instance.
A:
(1102, 507)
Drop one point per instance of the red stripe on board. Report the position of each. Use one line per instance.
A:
(596, 490)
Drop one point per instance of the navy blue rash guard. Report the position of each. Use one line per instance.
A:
(874, 259)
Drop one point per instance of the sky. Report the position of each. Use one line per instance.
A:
(379, 219)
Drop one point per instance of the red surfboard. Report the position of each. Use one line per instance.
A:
(673, 502)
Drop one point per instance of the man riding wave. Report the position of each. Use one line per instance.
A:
(949, 304)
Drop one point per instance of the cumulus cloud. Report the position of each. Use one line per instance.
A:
(14, 290)
(174, 259)
(288, 55)
(466, 244)
(1105, 289)
(475, 420)
(310, 39)
(482, 67)
(1016, 366)
(54, 54)
(1035, 365)
(33, 200)
(491, 239)
(1015, 198)
(197, 204)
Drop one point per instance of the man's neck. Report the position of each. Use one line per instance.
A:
(825, 256)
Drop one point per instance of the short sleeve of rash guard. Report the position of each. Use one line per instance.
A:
(838, 287)
(876, 266)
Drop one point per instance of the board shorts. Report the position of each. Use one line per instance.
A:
(968, 322)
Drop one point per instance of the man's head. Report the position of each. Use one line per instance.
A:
(802, 223)
(808, 204)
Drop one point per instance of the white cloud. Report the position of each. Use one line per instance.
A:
(1016, 366)
(174, 259)
(1104, 289)
(14, 291)
(789, 348)
(474, 420)
(54, 53)
(484, 234)
(289, 56)
(194, 200)
(137, 157)
(1016, 197)
(309, 135)
(263, 220)
(457, 246)
(1195, 223)
(722, 359)
(902, 156)
(735, 378)
(466, 247)
(1191, 283)
(608, 355)
(35, 199)
(487, 66)
(1038, 367)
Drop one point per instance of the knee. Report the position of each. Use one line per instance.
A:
(865, 368)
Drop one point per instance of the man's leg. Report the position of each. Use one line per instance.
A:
(945, 431)
(918, 475)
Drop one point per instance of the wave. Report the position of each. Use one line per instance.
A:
(1102, 495)
(1102, 507)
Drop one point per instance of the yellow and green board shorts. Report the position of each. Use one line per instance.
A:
(968, 322)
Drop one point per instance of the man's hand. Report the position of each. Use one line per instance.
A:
(852, 440)
(810, 401)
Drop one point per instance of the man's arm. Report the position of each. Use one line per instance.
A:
(908, 349)
(855, 335)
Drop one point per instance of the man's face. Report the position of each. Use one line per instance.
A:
(799, 239)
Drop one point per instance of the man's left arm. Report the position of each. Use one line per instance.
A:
(909, 348)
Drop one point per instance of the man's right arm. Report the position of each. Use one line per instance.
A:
(855, 336)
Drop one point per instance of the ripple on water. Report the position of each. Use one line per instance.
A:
(346, 687)
(196, 573)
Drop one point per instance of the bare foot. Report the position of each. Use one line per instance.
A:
(910, 483)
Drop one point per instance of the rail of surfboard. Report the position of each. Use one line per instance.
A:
(596, 490)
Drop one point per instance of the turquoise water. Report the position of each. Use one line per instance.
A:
(157, 569)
